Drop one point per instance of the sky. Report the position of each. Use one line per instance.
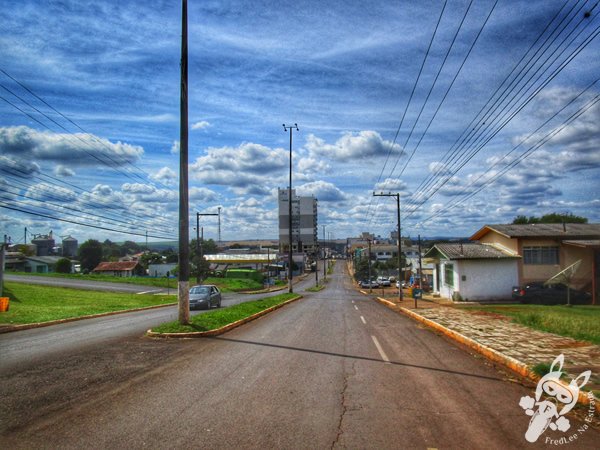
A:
(472, 112)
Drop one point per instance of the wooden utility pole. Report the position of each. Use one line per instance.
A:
(400, 268)
(183, 288)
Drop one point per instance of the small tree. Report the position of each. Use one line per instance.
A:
(90, 254)
(63, 265)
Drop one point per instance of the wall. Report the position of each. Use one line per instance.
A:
(484, 279)
(487, 279)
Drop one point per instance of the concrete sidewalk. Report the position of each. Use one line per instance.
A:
(518, 344)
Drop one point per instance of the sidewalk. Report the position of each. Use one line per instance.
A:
(509, 342)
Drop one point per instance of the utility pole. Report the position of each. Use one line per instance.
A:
(183, 291)
(420, 272)
(219, 226)
(369, 265)
(200, 240)
(2, 246)
(400, 268)
(290, 251)
(324, 257)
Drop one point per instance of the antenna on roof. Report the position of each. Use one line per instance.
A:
(564, 277)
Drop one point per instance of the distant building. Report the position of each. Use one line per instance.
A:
(304, 222)
(69, 247)
(44, 244)
(120, 269)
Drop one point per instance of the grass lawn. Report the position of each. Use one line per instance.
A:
(225, 284)
(221, 317)
(579, 322)
(32, 303)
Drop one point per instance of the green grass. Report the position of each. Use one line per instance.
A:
(578, 322)
(221, 317)
(316, 288)
(225, 284)
(31, 303)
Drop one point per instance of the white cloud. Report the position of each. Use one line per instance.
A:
(62, 171)
(391, 184)
(323, 191)
(200, 125)
(165, 176)
(68, 149)
(175, 148)
(352, 146)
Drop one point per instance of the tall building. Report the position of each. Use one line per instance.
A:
(304, 222)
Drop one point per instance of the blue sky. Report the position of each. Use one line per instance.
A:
(466, 133)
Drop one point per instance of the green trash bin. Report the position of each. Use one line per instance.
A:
(417, 293)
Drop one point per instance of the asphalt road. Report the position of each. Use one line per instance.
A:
(27, 347)
(333, 370)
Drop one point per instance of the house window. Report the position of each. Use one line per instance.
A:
(449, 274)
(540, 255)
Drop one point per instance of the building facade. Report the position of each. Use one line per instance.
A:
(304, 222)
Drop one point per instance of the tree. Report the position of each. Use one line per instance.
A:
(90, 254)
(150, 258)
(110, 251)
(550, 218)
(63, 265)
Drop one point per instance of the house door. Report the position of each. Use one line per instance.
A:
(437, 278)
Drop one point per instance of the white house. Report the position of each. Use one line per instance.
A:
(473, 271)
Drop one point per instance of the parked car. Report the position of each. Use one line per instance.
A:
(554, 294)
(383, 281)
(398, 284)
(367, 283)
(205, 296)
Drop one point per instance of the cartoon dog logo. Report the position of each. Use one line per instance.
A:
(547, 413)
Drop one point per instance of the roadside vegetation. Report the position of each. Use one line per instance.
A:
(578, 322)
(32, 304)
(224, 316)
(225, 284)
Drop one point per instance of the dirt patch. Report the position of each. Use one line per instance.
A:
(36, 391)
(491, 315)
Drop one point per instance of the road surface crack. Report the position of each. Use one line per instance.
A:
(344, 405)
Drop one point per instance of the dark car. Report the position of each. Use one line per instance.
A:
(554, 294)
(205, 296)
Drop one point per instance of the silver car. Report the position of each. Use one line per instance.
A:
(205, 296)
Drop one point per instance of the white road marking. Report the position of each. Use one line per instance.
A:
(356, 307)
(146, 292)
(380, 350)
(363, 320)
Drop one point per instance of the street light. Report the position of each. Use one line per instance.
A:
(290, 261)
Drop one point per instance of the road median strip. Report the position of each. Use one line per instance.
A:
(216, 321)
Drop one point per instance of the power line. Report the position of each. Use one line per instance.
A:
(47, 216)
(430, 189)
(95, 138)
(517, 161)
(408, 103)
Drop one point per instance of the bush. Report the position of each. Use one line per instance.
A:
(63, 265)
(245, 273)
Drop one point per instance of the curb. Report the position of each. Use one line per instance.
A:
(28, 326)
(226, 328)
(491, 354)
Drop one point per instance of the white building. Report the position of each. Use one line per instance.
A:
(473, 271)
(304, 222)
